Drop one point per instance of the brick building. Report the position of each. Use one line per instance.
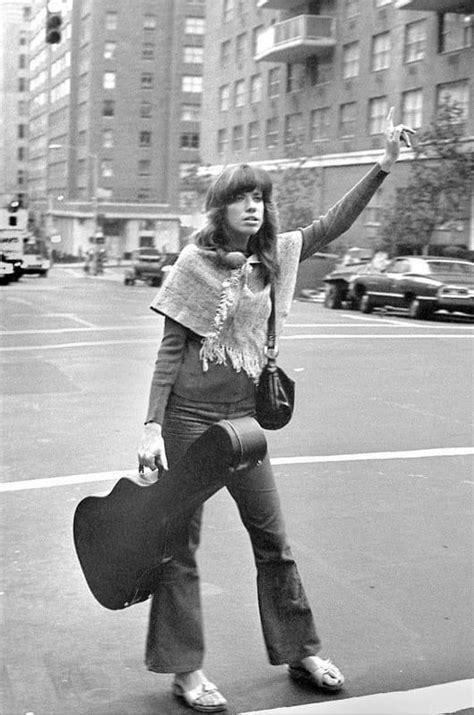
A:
(286, 80)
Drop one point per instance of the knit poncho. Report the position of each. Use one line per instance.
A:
(229, 308)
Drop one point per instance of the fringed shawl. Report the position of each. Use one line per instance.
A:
(229, 308)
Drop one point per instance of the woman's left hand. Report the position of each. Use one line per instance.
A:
(394, 135)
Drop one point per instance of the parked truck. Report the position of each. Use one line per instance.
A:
(13, 234)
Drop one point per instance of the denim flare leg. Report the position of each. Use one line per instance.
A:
(175, 640)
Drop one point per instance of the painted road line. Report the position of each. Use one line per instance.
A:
(92, 328)
(340, 336)
(433, 700)
(65, 481)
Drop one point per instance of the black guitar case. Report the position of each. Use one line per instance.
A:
(123, 538)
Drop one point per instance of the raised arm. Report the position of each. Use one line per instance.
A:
(343, 214)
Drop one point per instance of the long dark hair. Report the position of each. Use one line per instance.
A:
(215, 236)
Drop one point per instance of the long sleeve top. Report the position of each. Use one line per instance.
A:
(178, 367)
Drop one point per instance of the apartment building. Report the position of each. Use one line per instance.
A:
(114, 112)
(14, 28)
(288, 79)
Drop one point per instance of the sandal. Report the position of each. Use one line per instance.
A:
(324, 674)
(196, 698)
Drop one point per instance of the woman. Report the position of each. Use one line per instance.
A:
(216, 305)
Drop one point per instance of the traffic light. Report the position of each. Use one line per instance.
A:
(53, 27)
(13, 207)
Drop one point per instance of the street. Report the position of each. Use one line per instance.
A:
(375, 476)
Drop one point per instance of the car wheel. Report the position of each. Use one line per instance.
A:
(333, 297)
(366, 304)
(417, 310)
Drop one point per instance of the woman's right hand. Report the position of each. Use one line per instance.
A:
(151, 452)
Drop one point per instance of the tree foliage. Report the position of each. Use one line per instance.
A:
(439, 185)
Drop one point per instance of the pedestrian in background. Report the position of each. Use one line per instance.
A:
(216, 304)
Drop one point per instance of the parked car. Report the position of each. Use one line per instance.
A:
(421, 285)
(7, 272)
(35, 264)
(337, 284)
(149, 265)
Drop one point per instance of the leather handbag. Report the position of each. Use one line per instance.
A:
(275, 396)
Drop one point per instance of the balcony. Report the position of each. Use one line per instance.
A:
(296, 39)
(277, 4)
(462, 6)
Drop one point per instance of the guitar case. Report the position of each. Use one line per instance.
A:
(122, 539)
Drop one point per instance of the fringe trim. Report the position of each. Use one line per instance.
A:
(214, 351)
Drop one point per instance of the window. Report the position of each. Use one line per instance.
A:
(148, 51)
(146, 80)
(21, 84)
(108, 108)
(21, 61)
(257, 31)
(111, 20)
(228, 10)
(239, 93)
(22, 108)
(224, 98)
(319, 124)
(225, 53)
(109, 80)
(21, 153)
(190, 112)
(107, 138)
(144, 167)
(256, 88)
(373, 211)
(415, 41)
(144, 138)
(222, 141)
(193, 55)
(253, 135)
(378, 109)
(191, 83)
(21, 131)
(149, 22)
(194, 26)
(109, 50)
(240, 43)
(146, 109)
(144, 195)
(347, 119)
(271, 132)
(412, 105)
(455, 92)
(350, 60)
(455, 31)
(294, 77)
(274, 82)
(293, 128)
(238, 138)
(106, 168)
(380, 52)
(189, 141)
(352, 8)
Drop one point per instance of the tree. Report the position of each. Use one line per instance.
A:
(439, 185)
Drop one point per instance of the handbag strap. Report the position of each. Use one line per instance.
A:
(272, 350)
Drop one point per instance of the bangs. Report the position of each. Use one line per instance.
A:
(236, 180)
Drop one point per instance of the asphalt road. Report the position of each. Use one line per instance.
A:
(374, 471)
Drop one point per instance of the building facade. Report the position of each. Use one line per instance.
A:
(114, 112)
(14, 33)
(287, 81)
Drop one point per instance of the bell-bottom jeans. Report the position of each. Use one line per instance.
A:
(175, 639)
